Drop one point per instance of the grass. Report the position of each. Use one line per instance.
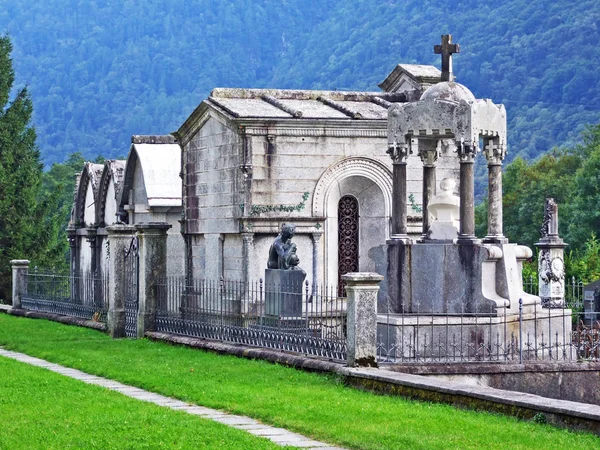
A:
(44, 410)
(312, 404)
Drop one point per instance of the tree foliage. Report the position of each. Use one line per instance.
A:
(102, 71)
(572, 178)
(29, 220)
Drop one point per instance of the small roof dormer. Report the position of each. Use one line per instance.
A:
(411, 78)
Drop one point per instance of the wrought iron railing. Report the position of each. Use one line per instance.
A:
(573, 290)
(290, 317)
(83, 295)
(527, 334)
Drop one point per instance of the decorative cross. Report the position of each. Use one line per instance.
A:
(446, 49)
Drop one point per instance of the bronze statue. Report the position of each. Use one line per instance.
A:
(282, 254)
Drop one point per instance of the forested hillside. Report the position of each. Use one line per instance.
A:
(100, 71)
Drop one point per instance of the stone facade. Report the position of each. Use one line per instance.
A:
(253, 159)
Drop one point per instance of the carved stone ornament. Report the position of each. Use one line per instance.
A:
(398, 152)
(466, 151)
(551, 269)
(494, 152)
(550, 223)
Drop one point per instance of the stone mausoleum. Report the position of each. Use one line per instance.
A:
(253, 159)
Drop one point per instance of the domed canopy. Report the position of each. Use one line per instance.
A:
(448, 91)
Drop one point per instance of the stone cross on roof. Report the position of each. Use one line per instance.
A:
(446, 49)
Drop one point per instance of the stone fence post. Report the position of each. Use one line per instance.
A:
(153, 268)
(362, 291)
(119, 238)
(20, 270)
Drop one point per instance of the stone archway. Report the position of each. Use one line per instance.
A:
(370, 183)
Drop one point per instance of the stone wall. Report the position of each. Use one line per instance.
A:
(211, 169)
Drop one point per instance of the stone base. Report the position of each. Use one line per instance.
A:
(283, 292)
(412, 338)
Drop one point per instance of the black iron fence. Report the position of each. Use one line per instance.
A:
(288, 317)
(573, 290)
(83, 295)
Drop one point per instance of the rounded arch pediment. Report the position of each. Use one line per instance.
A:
(352, 167)
(113, 173)
(89, 179)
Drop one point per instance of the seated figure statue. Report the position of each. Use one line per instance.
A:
(282, 254)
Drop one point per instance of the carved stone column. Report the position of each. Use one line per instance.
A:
(247, 246)
(73, 253)
(399, 153)
(467, 153)
(429, 158)
(316, 240)
(494, 153)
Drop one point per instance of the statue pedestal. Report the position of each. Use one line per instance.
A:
(283, 292)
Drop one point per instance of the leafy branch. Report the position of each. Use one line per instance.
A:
(257, 210)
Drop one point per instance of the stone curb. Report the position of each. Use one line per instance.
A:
(67, 320)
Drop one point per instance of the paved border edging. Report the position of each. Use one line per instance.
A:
(67, 320)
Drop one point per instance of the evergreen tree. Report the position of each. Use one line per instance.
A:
(28, 221)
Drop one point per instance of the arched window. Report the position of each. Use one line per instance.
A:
(348, 244)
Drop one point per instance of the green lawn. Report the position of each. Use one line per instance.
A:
(312, 404)
(44, 410)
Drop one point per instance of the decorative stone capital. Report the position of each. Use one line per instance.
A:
(466, 151)
(398, 152)
(430, 156)
(495, 152)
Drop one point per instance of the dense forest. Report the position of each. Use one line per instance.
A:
(100, 71)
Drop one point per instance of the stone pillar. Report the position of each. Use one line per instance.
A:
(466, 233)
(362, 291)
(20, 270)
(152, 239)
(316, 240)
(551, 263)
(247, 246)
(91, 239)
(73, 253)
(429, 157)
(399, 154)
(119, 237)
(494, 153)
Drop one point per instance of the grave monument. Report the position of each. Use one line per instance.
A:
(449, 272)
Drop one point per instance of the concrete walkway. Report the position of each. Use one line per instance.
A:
(277, 435)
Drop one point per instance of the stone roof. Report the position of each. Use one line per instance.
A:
(303, 104)
(160, 164)
(415, 76)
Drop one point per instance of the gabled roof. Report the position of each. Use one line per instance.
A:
(302, 104)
